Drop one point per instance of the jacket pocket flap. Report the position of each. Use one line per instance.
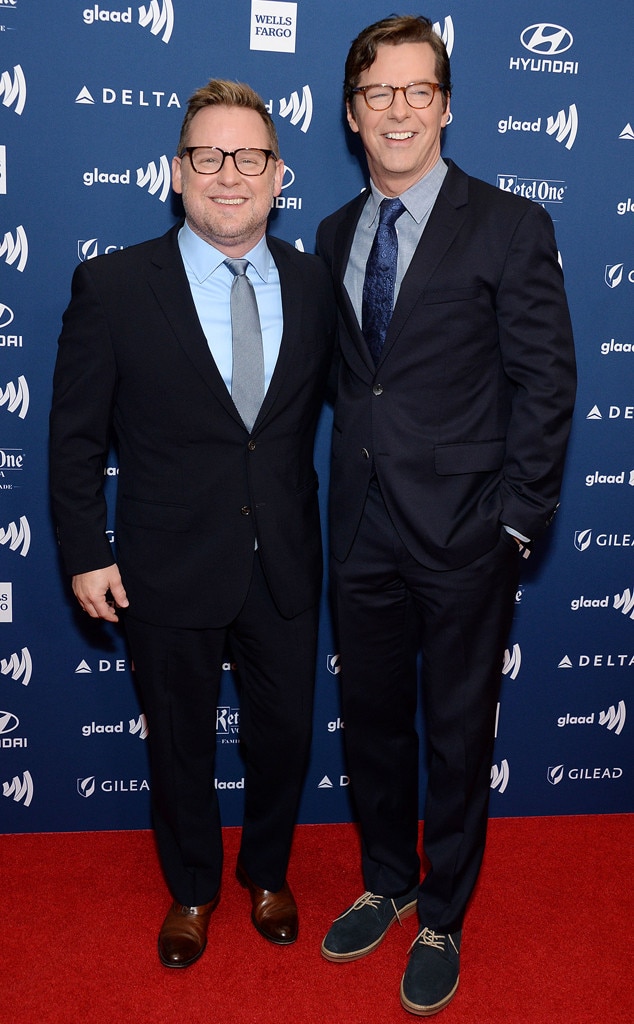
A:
(475, 457)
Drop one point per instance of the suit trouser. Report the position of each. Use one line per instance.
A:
(178, 672)
(388, 608)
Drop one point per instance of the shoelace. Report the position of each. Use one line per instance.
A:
(436, 940)
(369, 899)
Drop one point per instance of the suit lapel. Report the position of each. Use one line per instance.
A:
(343, 243)
(445, 221)
(168, 280)
(291, 288)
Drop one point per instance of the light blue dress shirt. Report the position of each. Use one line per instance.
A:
(418, 201)
(210, 282)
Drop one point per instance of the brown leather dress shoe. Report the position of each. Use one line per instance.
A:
(183, 937)
(274, 914)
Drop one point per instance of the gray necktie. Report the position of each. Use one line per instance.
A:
(247, 376)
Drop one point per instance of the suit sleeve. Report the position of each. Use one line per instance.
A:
(80, 428)
(536, 343)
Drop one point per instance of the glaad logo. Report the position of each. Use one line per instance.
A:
(298, 109)
(18, 538)
(512, 662)
(15, 250)
(158, 16)
(613, 719)
(21, 790)
(333, 664)
(18, 666)
(156, 179)
(500, 776)
(13, 89)
(273, 26)
(563, 126)
(446, 33)
(610, 478)
(139, 727)
(625, 602)
(15, 398)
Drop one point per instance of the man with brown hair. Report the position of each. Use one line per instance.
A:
(205, 354)
(453, 409)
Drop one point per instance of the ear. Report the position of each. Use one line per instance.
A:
(177, 183)
(279, 177)
(350, 116)
(446, 114)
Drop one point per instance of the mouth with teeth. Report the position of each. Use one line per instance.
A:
(229, 202)
(399, 136)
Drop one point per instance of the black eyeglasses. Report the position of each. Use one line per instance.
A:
(418, 94)
(210, 159)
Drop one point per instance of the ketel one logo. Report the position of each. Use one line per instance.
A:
(158, 16)
(500, 776)
(546, 40)
(16, 397)
(20, 790)
(18, 667)
(17, 537)
(15, 250)
(13, 89)
(298, 109)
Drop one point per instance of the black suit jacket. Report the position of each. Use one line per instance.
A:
(194, 487)
(466, 418)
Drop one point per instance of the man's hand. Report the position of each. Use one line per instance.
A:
(91, 590)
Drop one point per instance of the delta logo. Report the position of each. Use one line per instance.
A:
(157, 16)
(564, 125)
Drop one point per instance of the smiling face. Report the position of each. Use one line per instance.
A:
(228, 209)
(401, 144)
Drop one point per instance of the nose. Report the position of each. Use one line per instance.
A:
(229, 174)
(400, 108)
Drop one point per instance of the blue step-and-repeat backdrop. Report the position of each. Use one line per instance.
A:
(91, 101)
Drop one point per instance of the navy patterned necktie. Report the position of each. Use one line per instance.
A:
(247, 378)
(380, 278)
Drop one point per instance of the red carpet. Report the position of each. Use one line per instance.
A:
(548, 939)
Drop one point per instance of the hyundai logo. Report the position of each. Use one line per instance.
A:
(546, 39)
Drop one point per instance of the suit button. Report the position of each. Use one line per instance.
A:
(377, 389)
(245, 510)
(251, 446)
(365, 453)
